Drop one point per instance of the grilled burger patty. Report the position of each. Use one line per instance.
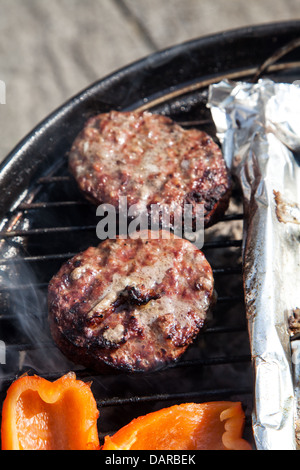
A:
(151, 160)
(132, 304)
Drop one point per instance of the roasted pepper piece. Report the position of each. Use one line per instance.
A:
(42, 415)
(190, 426)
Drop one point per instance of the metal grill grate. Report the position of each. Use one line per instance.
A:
(51, 224)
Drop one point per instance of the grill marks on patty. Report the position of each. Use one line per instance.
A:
(137, 304)
(151, 160)
(130, 304)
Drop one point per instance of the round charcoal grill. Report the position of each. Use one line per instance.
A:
(44, 221)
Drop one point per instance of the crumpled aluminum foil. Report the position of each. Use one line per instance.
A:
(258, 126)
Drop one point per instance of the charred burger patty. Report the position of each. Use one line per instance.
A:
(132, 304)
(151, 160)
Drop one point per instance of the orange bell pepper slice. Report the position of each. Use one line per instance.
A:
(42, 415)
(190, 426)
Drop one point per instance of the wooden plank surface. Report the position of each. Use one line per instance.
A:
(173, 21)
(51, 50)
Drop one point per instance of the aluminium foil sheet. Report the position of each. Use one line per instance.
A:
(258, 125)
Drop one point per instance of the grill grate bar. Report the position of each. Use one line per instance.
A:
(76, 228)
(203, 362)
(222, 299)
(58, 256)
(54, 205)
(46, 231)
(35, 259)
(194, 122)
(50, 205)
(117, 401)
(212, 361)
(80, 228)
(226, 392)
(225, 329)
(42, 285)
(222, 244)
(208, 394)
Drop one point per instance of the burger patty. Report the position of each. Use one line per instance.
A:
(151, 160)
(132, 304)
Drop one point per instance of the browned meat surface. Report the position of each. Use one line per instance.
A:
(151, 160)
(132, 304)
